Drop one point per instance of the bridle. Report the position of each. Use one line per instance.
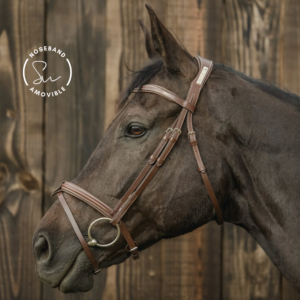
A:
(155, 161)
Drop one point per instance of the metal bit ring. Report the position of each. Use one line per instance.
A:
(93, 242)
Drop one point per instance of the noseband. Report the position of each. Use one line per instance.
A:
(114, 216)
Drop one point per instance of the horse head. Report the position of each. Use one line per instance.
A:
(238, 139)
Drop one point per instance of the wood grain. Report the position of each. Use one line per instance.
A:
(132, 279)
(210, 250)
(113, 58)
(74, 119)
(112, 90)
(251, 38)
(247, 271)
(181, 264)
(21, 118)
(291, 45)
(251, 44)
(259, 38)
(290, 80)
(288, 292)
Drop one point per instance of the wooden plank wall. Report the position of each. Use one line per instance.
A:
(21, 151)
(56, 136)
(290, 78)
(251, 44)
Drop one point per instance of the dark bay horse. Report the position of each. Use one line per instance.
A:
(249, 138)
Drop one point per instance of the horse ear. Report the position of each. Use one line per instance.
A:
(148, 41)
(176, 58)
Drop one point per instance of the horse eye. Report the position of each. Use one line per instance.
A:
(135, 131)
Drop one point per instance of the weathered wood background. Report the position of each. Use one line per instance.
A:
(258, 37)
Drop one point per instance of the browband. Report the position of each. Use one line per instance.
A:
(159, 90)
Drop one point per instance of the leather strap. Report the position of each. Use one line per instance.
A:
(78, 233)
(85, 196)
(195, 90)
(133, 247)
(213, 198)
(161, 91)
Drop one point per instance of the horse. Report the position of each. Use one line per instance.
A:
(248, 136)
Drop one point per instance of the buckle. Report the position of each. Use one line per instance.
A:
(178, 130)
(133, 249)
(191, 132)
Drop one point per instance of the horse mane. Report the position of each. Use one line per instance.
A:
(267, 87)
(149, 71)
(139, 78)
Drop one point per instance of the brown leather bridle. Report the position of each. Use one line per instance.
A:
(155, 161)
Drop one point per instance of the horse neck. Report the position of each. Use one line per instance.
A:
(259, 137)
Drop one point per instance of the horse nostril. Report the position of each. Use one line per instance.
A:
(41, 248)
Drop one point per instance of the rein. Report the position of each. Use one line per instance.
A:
(155, 161)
